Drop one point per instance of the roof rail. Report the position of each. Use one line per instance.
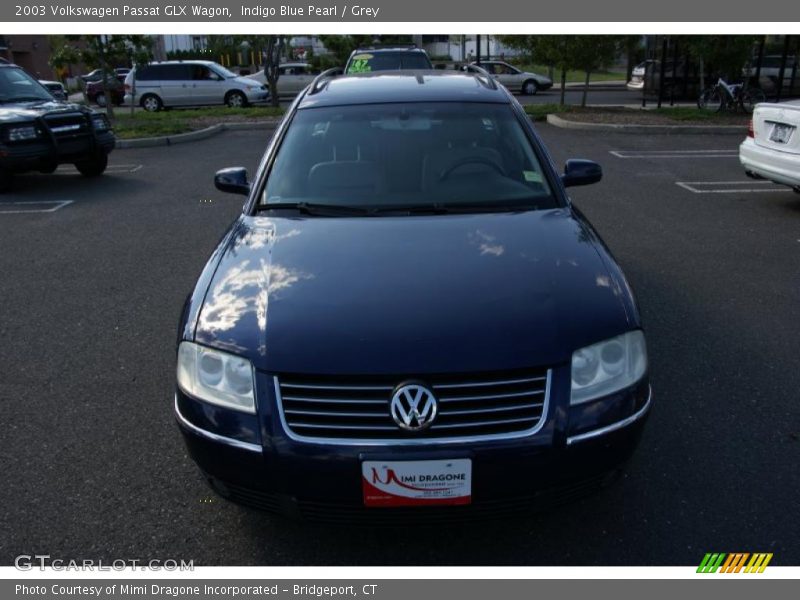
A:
(481, 72)
(322, 78)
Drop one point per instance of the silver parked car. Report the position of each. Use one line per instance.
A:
(56, 88)
(190, 83)
(292, 77)
(514, 80)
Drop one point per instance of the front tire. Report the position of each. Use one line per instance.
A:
(100, 100)
(152, 103)
(530, 87)
(235, 99)
(93, 167)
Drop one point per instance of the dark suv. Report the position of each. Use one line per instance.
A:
(38, 133)
(409, 315)
(366, 60)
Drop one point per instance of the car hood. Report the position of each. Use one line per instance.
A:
(247, 81)
(536, 76)
(25, 111)
(420, 294)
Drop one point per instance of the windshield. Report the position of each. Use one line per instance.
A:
(222, 71)
(17, 86)
(366, 62)
(393, 155)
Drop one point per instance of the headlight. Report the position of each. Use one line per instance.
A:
(607, 367)
(18, 134)
(216, 377)
(100, 122)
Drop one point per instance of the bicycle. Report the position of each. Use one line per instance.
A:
(730, 96)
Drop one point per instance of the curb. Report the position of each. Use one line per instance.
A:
(193, 136)
(592, 88)
(557, 121)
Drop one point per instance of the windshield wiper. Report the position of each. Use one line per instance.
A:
(317, 209)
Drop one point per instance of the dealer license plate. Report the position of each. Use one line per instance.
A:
(781, 133)
(417, 482)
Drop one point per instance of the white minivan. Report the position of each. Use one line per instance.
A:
(190, 83)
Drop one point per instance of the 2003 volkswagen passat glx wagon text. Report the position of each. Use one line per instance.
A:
(409, 314)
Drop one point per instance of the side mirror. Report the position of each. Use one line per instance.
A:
(232, 180)
(578, 171)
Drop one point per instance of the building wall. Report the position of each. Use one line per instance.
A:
(31, 52)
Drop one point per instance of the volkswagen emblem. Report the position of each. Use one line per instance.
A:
(413, 407)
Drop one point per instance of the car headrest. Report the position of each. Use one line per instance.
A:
(345, 178)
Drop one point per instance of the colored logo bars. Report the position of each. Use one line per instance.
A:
(735, 562)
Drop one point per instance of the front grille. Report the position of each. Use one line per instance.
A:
(356, 409)
(68, 126)
(558, 494)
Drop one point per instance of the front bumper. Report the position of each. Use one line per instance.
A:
(257, 96)
(251, 460)
(780, 167)
(31, 156)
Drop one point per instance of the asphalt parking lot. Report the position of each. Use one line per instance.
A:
(95, 272)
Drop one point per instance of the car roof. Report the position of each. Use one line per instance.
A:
(405, 86)
(180, 62)
(379, 49)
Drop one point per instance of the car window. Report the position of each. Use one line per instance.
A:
(407, 154)
(222, 71)
(203, 73)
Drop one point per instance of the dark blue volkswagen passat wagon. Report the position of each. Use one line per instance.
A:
(409, 316)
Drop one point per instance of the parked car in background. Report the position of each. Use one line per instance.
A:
(191, 83)
(38, 133)
(678, 76)
(97, 75)
(56, 88)
(96, 94)
(514, 79)
(394, 58)
(673, 71)
(771, 149)
(770, 73)
(292, 77)
(638, 74)
(409, 315)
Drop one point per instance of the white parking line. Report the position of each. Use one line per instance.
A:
(12, 208)
(113, 168)
(693, 154)
(731, 187)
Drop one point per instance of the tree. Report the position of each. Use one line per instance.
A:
(723, 55)
(103, 52)
(273, 49)
(564, 52)
(589, 53)
(341, 46)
